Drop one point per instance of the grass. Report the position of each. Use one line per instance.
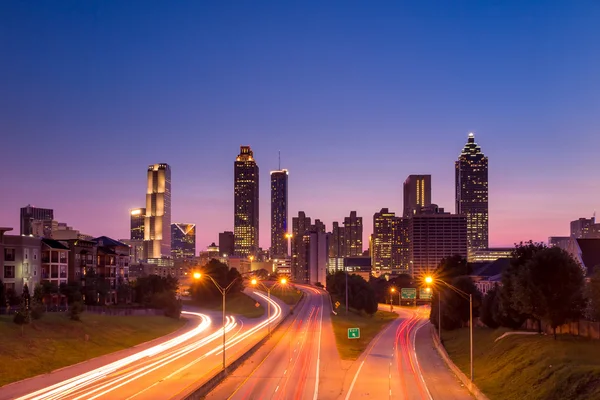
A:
(288, 294)
(237, 303)
(370, 326)
(55, 341)
(528, 366)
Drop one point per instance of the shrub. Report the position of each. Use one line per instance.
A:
(75, 310)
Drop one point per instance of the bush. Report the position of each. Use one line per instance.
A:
(75, 310)
(168, 303)
(37, 311)
(489, 309)
(20, 318)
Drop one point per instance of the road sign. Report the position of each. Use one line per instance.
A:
(353, 333)
(337, 304)
(409, 293)
(425, 294)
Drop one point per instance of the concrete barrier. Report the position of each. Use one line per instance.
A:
(478, 394)
(203, 389)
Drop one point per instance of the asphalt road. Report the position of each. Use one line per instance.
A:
(303, 363)
(401, 363)
(157, 371)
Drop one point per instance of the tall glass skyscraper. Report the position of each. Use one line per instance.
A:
(279, 213)
(157, 227)
(138, 217)
(183, 240)
(472, 193)
(245, 186)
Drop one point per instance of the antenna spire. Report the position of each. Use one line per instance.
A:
(279, 152)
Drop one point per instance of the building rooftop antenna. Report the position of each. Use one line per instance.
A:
(279, 152)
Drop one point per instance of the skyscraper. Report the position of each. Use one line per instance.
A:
(300, 225)
(472, 193)
(433, 235)
(225, 244)
(183, 240)
(157, 226)
(417, 193)
(353, 232)
(245, 223)
(138, 215)
(383, 240)
(30, 213)
(279, 213)
(336, 244)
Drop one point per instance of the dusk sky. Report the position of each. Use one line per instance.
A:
(356, 95)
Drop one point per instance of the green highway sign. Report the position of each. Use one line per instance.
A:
(353, 333)
(425, 294)
(409, 293)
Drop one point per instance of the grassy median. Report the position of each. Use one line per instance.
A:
(55, 341)
(288, 294)
(236, 303)
(532, 367)
(370, 326)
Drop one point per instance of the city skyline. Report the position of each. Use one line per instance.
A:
(351, 121)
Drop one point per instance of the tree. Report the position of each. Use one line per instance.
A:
(593, 294)
(455, 311)
(2, 293)
(361, 295)
(72, 291)
(452, 267)
(550, 287)
(22, 316)
(203, 291)
(489, 309)
(510, 313)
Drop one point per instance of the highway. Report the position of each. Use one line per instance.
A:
(303, 364)
(163, 370)
(401, 363)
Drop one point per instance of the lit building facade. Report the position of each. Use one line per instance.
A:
(183, 240)
(300, 225)
(138, 217)
(22, 262)
(417, 193)
(434, 235)
(157, 223)
(30, 213)
(581, 228)
(559, 241)
(353, 231)
(54, 266)
(493, 254)
(336, 242)
(471, 179)
(279, 213)
(383, 240)
(246, 200)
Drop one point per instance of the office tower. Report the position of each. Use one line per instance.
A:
(559, 241)
(383, 240)
(138, 216)
(300, 225)
(433, 235)
(279, 213)
(336, 243)
(580, 228)
(315, 247)
(353, 231)
(472, 193)
(226, 244)
(401, 253)
(417, 193)
(157, 224)
(318, 226)
(245, 223)
(30, 213)
(183, 240)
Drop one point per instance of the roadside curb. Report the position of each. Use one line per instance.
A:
(475, 391)
(199, 392)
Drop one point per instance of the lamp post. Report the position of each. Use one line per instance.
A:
(255, 282)
(198, 276)
(466, 296)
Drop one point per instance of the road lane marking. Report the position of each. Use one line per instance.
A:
(319, 353)
(276, 389)
(354, 380)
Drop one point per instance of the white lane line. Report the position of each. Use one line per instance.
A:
(417, 359)
(285, 372)
(354, 380)
(276, 389)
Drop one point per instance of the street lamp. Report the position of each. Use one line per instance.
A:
(464, 295)
(393, 290)
(198, 276)
(255, 282)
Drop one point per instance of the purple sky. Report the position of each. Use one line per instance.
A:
(356, 98)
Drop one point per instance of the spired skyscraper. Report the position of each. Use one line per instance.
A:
(472, 193)
(157, 227)
(279, 213)
(245, 186)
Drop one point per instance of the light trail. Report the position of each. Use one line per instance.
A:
(67, 386)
